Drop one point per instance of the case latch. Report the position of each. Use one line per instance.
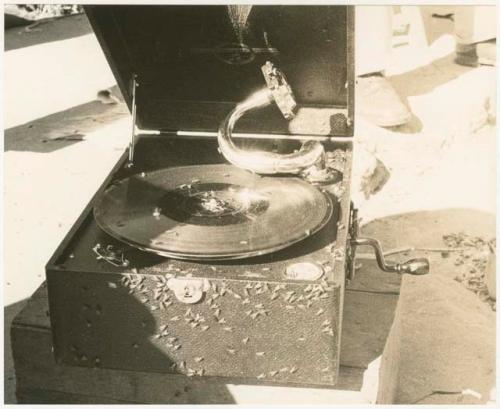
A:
(188, 290)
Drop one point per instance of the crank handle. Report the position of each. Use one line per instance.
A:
(416, 266)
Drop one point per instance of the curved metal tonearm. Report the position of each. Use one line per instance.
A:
(310, 154)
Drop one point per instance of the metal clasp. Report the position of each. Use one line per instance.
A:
(110, 254)
(188, 290)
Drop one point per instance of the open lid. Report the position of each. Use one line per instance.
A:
(193, 64)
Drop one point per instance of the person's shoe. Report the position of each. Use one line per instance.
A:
(487, 52)
(378, 102)
(472, 55)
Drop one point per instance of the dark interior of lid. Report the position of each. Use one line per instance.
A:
(194, 63)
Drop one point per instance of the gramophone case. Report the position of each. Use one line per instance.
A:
(270, 318)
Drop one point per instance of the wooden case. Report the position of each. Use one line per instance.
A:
(254, 324)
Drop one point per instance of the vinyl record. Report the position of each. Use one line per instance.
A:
(211, 212)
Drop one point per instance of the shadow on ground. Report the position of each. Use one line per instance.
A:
(59, 130)
(430, 77)
(437, 73)
(10, 312)
(44, 32)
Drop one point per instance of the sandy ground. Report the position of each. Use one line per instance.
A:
(48, 179)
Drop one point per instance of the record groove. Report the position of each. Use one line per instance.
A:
(211, 212)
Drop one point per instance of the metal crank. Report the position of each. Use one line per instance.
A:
(416, 266)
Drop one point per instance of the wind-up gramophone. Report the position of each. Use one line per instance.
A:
(221, 242)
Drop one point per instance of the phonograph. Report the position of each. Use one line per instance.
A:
(220, 243)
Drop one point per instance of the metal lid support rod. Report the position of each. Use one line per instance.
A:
(310, 154)
(131, 146)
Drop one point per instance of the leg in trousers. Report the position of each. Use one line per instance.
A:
(475, 33)
(376, 99)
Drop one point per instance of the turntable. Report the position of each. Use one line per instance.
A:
(220, 244)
